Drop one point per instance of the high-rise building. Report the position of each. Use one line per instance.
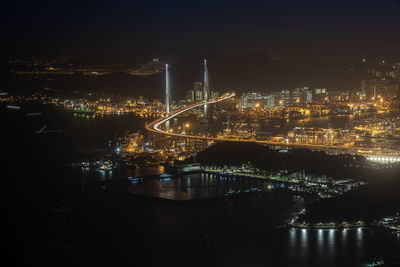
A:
(363, 88)
(382, 81)
(309, 94)
(198, 91)
(299, 96)
(271, 101)
(199, 95)
(284, 98)
(319, 91)
(386, 88)
(190, 95)
(250, 100)
(247, 100)
(214, 94)
(198, 86)
(397, 72)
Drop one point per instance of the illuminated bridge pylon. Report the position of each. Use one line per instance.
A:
(167, 90)
(206, 87)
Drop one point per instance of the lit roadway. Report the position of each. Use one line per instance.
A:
(154, 127)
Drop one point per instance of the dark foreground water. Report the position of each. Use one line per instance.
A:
(51, 220)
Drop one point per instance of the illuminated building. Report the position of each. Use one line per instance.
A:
(397, 72)
(271, 101)
(284, 98)
(198, 91)
(386, 88)
(190, 95)
(250, 99)
(363, 88)
(197, 86)
(214, 95)
(301, 96)
(320, 91)
(309, 94)
(199, 95)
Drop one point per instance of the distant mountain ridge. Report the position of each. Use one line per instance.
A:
(258, 71)
(252, 71)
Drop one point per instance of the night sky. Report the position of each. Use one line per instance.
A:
(130, 30)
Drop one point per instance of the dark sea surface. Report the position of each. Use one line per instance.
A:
(53, 220)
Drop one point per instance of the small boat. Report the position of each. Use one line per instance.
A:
(85, 164)
(107, 166)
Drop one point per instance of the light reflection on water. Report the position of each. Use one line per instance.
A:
(360, 240)
(197, 185)
(320, 242)
(94, 174)
(344, 239)
(292, 240)
(326, 244)
(331, 243)
(304, 243)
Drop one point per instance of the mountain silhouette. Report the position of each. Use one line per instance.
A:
(251, 71)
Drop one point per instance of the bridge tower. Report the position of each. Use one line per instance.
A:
(206, 89)
(167, 90)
